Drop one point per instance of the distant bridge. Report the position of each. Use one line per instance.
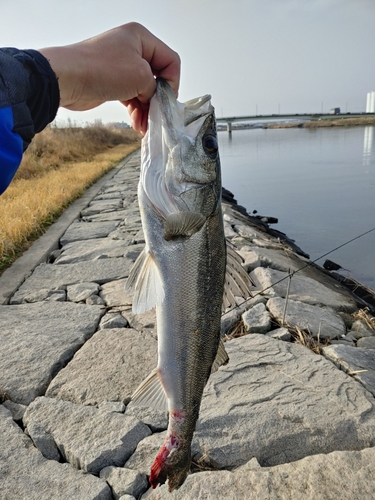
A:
(304, 116)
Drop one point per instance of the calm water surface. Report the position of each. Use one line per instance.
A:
(319, 183)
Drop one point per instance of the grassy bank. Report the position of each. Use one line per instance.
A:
(58, 167)
(328, 122)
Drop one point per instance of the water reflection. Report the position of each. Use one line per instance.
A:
(368, 145)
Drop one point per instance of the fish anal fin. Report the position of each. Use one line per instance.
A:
(150, 393)
(146, 283)
(221, 359)
(182, 224)
(237, 280)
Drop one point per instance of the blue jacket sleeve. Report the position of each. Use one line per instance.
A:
(29, 100)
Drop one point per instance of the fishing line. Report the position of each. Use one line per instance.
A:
(289, 275)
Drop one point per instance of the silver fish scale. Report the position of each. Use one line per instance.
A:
(188, 321)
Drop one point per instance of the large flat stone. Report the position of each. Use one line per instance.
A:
(37, 340)
(109, 367)
(25, 473)
(51, 276)
(280, 402)
(279, 259)
(318, 321)
(359, 363)
(341, 474)
(88, 438)
(87, 231)
(302, 288)
(95, 249)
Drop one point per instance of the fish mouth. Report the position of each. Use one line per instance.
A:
(180, 117)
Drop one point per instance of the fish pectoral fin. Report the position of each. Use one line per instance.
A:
(182, 224)
(237, 280)
(221, 359)
(150, 393)
(145, 282)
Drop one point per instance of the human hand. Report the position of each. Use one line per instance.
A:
(118, 65)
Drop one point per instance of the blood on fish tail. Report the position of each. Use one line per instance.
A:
(174, 457)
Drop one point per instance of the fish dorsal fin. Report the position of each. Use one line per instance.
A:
(221, 359)
(145, 282)
(237, 281)
(182, 224)
(150, 393)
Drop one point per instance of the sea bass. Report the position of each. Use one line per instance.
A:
(182, 269)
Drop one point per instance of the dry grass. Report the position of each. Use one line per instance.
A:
(363, 314)
(57, 168)
(237, 331)
(306, 339)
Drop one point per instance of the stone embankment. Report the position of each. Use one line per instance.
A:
(279, 421)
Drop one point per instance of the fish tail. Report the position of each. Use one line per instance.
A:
(173, 461)
(173, 466)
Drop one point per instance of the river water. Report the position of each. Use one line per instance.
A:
(319, 183)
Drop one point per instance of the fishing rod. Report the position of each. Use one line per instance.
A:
(291, 274)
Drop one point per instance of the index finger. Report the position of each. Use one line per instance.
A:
(163, 61)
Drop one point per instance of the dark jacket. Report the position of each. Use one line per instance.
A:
(29, 99)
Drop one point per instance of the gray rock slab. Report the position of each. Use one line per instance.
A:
(113, 293)
(247, 231)
(359, 363)
(145, 454)
(109, 196)
(37, 340)
(125, 481)
(89, 439)
(109, 367)
(113, 320)
(145, 322)
(17, 410)
(128, 237)
(280, 402)
(257, 319)
(280, 334)
(43, 441)
(95, 300)
(116, 406)
(43, 294)
(97, 206)
(280, 259)
(363, 329)
(302, 288)
(100, 271)
(337, 475)
(81, 291)
(95, 249)
(366, 342)
(25, 473)
(231, 317)
(322, 321)
(87, 231)
(104, 217)
(157, 420)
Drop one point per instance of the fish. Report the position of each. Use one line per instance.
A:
(186, 269)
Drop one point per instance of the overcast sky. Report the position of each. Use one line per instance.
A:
(266, 55)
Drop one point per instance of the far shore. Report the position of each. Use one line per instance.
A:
(335, 121)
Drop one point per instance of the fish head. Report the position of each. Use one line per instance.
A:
(181, 165)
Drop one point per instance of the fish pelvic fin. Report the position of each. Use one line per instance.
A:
(145, 282)
(182, 224)
(237, 280)
(151, 393)
(221, 359)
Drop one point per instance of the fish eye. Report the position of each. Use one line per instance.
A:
(210, 144)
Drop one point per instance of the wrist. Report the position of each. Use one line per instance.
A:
(69, 68)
